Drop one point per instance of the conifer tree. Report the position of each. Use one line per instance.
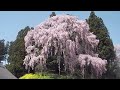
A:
(105, 47)
(53, 14)
(17, 54)
(2, 50)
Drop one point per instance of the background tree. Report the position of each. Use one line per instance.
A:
(17, 54)
(2, 50)
(117, 70)
(53, 14)
(105, 47)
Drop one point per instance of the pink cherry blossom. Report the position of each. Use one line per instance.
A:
(69, 36)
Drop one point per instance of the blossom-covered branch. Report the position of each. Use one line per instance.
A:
(71, 40)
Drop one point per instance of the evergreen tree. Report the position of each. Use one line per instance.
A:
(53, 14)
(2, 50)
(17, 54)
(105, 47)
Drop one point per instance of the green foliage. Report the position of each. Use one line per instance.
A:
(105, 47)
(35, 76)
(53, 14)
(17, 54)
(117, 70)
(52, 63)
(46, 75)
(2, 50)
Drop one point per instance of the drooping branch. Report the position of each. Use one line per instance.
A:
(69, 36)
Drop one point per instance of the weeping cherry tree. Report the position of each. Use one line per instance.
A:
(69, 40)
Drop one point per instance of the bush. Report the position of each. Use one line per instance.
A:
(46, 75)
(35, 76)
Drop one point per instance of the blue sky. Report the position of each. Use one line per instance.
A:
(11, 22)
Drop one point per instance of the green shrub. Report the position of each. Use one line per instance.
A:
(35, 76)
(46, 75)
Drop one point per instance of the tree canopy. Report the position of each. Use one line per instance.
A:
(68, 40)
(17, 54)
(3, 50)
(105, 47)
